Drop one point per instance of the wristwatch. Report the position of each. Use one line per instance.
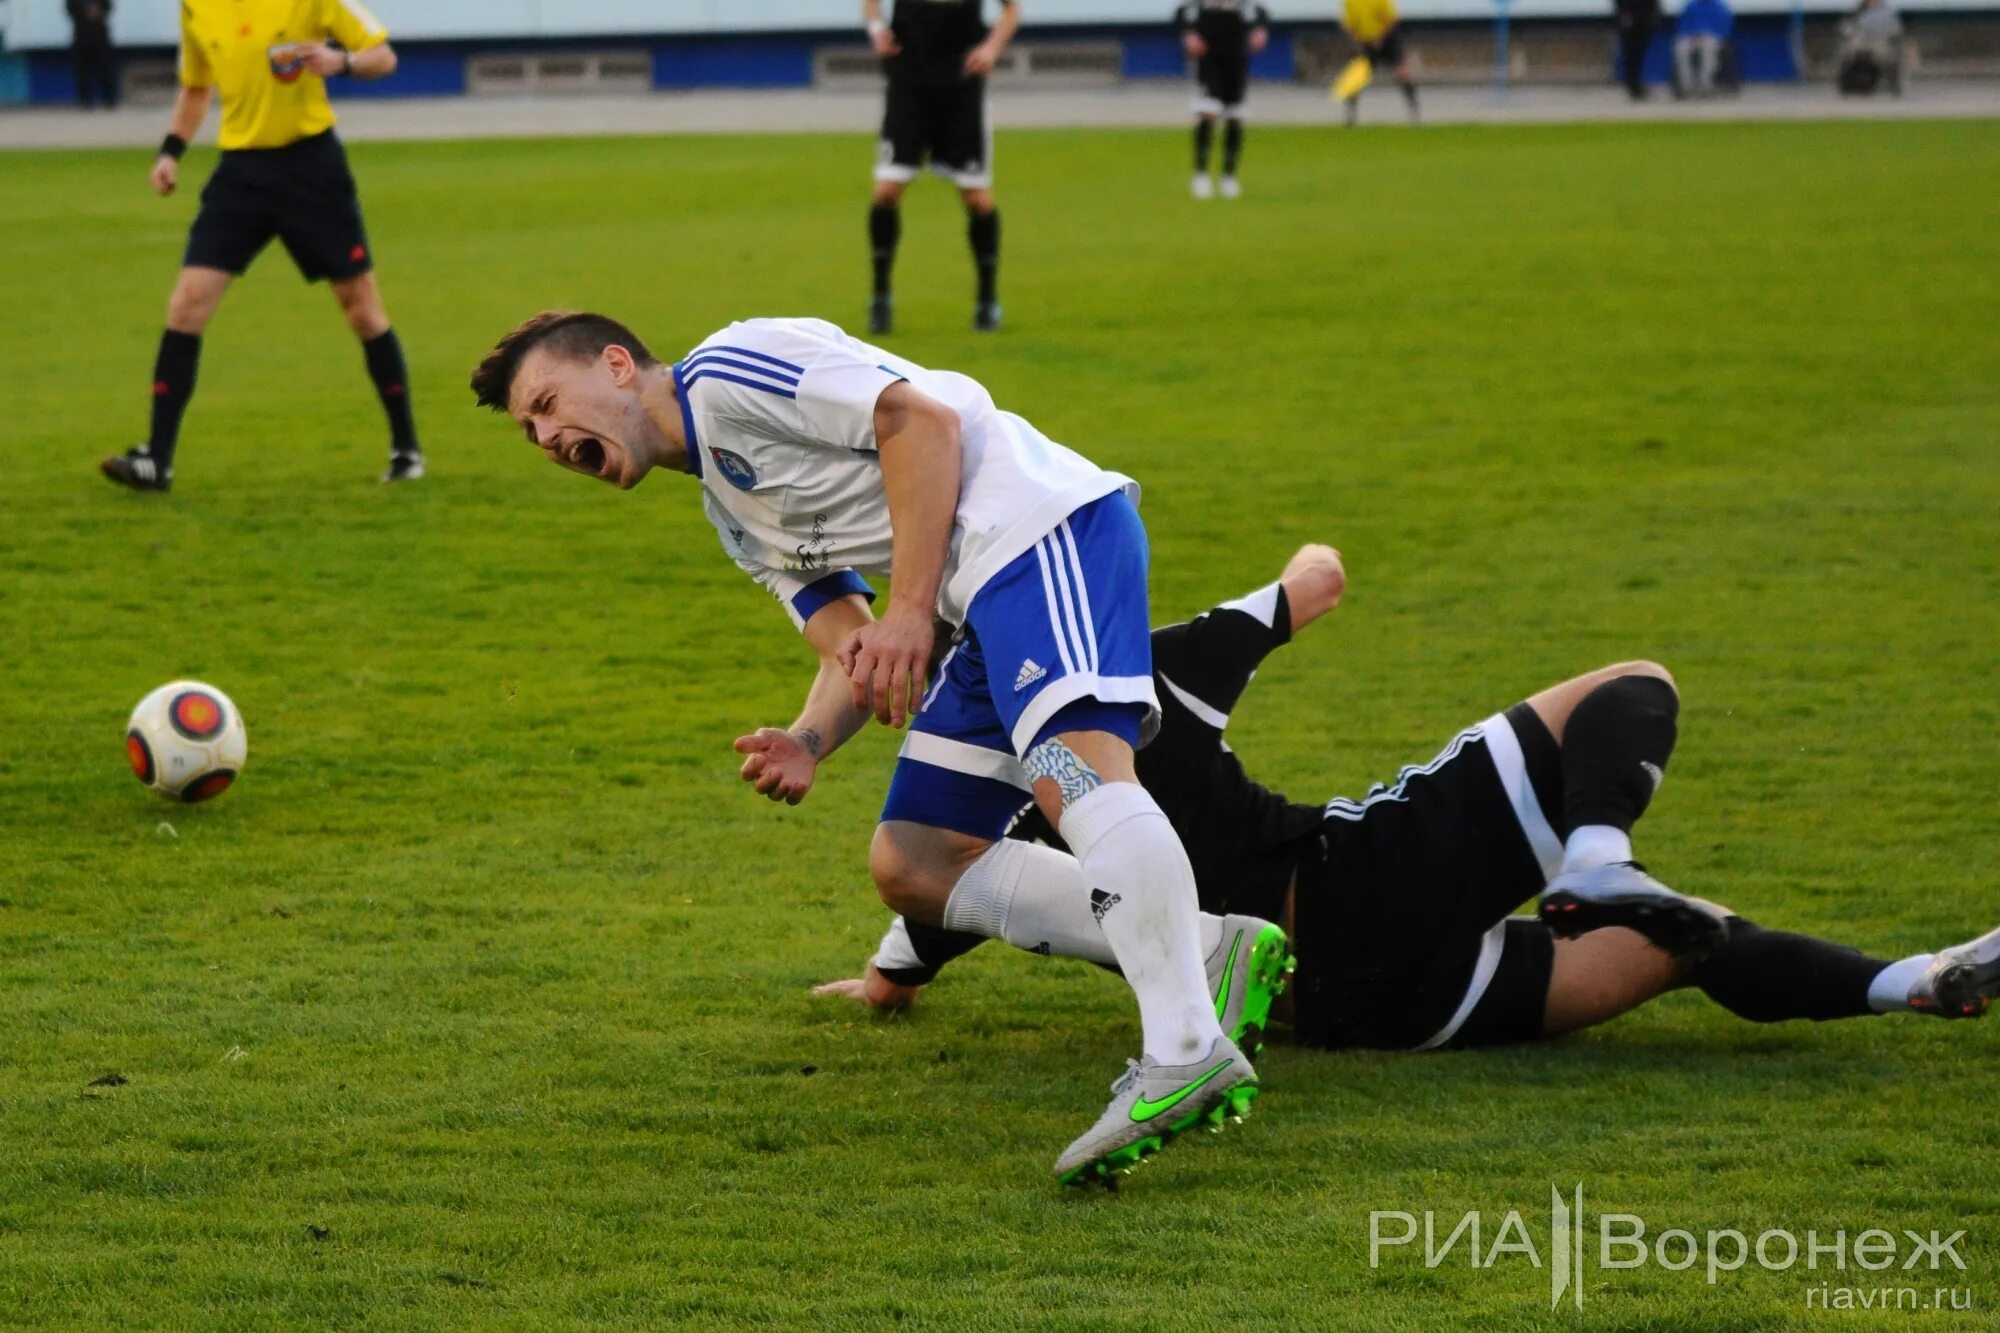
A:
(347, 62)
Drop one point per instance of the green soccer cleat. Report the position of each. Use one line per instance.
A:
(1152, 1105)
(1248, 970)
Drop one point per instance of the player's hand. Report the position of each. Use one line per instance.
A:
(980, 60)
(888, 662)
(885, 43)
(778, 764)
(874, 990)
(166, 175)
(322, 59)
(1259, 39)
(1195, 46)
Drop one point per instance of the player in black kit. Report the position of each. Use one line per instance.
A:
(1221, 35)
(1397, 904)
(937, 54)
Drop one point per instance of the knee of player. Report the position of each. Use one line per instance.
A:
(1640, 667)
(903, 881)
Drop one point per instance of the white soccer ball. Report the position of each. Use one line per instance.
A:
(186, 741)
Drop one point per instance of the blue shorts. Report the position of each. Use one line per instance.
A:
(1058, 640)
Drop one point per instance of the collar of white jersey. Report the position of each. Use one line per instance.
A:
(687, 419)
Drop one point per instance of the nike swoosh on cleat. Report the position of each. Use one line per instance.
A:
(1145, 1110)
(1228, 971)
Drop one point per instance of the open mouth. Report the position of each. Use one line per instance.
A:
(588, 455)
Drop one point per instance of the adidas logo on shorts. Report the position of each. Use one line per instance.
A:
(1029, 674)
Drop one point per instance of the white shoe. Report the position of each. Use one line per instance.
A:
(1202, 187)
(1248, 970)
(1961, 981)
(1153, 1104)
(1231, 189)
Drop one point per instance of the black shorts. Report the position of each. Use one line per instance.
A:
(1224, 79)
(1401, 909)
(303, 194)
(1386, 53)
(938, 124)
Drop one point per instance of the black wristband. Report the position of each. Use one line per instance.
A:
(173, 146)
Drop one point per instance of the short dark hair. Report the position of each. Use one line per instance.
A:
(575, 334)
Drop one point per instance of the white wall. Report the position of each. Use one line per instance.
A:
(42, 23)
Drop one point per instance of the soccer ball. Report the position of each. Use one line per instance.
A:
(186, 741)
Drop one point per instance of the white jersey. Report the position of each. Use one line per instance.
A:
(780, 423)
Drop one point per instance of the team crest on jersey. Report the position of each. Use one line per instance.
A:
(736, 469)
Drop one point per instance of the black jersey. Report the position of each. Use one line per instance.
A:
(1242, 838)
(1224, 25)
(935, 35)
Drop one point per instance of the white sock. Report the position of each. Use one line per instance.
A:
(1594, 845)
(1036, 898)
(1890, 991)
(1143, 895)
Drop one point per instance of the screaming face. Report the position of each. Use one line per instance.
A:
(586, 415)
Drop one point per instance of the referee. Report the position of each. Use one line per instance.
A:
(937, 54)
(1221, 35)
(283, 174)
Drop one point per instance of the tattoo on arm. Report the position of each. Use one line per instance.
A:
(809, 739)
(1063, 766)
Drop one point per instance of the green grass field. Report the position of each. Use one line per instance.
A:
(483, 998)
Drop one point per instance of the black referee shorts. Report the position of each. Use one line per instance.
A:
(1386, 52)
(1224, 79)
(940, 124)
(303, 194)
(1401, 912)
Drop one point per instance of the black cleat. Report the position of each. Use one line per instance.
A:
(1623, 894)
(881, 315)
(986, 317)
(135, 468)
(404, 467)
(1961, 981)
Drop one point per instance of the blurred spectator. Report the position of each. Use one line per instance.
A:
(1636, 21)
(90, 49)
(1704, 26)
(1871, 49)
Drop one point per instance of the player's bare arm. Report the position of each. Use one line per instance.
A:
(981, 59)
(879, 35)
(190, 109)
(1314, 580)
(888, 661)
(781, 764)
(374, 62)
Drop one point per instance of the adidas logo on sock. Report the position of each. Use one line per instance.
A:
(1029, 674)
(1102, 902)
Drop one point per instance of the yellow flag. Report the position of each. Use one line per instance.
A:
(1358, 74)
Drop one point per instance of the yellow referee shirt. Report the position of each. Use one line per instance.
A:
(1369, 19)
(243, 49)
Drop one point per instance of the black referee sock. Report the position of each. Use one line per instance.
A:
(1410, 96)
(1615, 749)
(1204, 138)
(885, 228)
(392, 383)
(1232, 146)
(1768, 976)
(173, 385)
(983, 230)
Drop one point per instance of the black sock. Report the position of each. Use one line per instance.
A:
(1768, 976)
(1410, 95)
(173, 385)
(1615, 750)
(1232, 146)
(885, 228)
(392, 382)
(1204, 137)
(983, 230)
(934, 946)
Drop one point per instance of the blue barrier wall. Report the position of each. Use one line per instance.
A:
(437, 69)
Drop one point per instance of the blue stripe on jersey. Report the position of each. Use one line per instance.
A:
(714, 359)
(766, 386)
(687, 421)
(814, 597)
(744, 351)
